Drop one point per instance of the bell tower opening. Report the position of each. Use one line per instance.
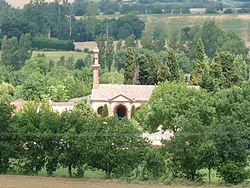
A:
(121, 111)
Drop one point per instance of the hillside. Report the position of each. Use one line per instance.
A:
(21, 3)
(239, 24)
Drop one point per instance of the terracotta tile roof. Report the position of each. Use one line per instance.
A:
(133, 92)
(20, 104)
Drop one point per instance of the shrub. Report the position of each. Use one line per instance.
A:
(154, 166)
(244, 10)
(231, 173)
(228, 11)
(42, 42)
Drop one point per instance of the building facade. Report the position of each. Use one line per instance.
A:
(119, 98)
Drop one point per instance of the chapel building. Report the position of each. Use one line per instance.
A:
(118, 98)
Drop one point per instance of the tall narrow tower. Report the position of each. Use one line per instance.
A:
(96, 67)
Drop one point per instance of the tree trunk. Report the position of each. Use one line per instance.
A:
(70, 170)
(209, 175)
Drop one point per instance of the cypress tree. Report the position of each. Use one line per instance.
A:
(129, 69)
(143, 70)
(200, 51)
(162, 73)
(173, 66)
(105, 111)
(133, 111)
(198, 65)
(152, 70)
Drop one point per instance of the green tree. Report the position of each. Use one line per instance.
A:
(143, 70)
(109, 53)
(115, 154)
(24, 49)
(130, 41)
(6, 92)
(112, 78)
(198, 65)
(209, 156)
(173, 66)
(6, 144)
(133, 111)
(120, 57)
(77, 129)
(226, 72)
(31, 155)
(167, 104)
(154, 165)
(183, 149)
(14, 53)
(163, 73)
(231, 173)
(210, 35)
(100, 40)
(105, 111)
(129, 69)
(9, 51)
(34, 87)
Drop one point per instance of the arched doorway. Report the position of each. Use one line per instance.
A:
(100, 110)
(121, 111)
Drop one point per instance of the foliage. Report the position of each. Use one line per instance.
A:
(133, 111)
(173, 66)
(6, 92)
(231, 173)
(112, 78)
(154, 165)
(6, 141)
(129, 67)
(198, 65)
(120, 148)
(225, 71)
(105, 111)
(52, 43)
(14, 52)
(168, 103)
(109, 53)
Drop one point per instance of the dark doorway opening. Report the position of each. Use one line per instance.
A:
(121, 111)
(100, 110)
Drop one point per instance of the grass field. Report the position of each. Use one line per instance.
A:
(55, 55)
(238, 23)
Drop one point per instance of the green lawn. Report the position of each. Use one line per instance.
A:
(62, 172)
(55, 55)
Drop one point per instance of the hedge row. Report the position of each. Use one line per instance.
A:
(41, 42)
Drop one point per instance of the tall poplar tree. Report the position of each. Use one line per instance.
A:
(100, 40)
(109, 53)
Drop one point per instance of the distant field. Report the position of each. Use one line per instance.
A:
(237, 23)
(21, 3)
(55, 55)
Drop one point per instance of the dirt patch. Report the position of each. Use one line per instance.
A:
(44, 182)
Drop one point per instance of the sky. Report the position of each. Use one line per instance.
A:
(20, 3)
